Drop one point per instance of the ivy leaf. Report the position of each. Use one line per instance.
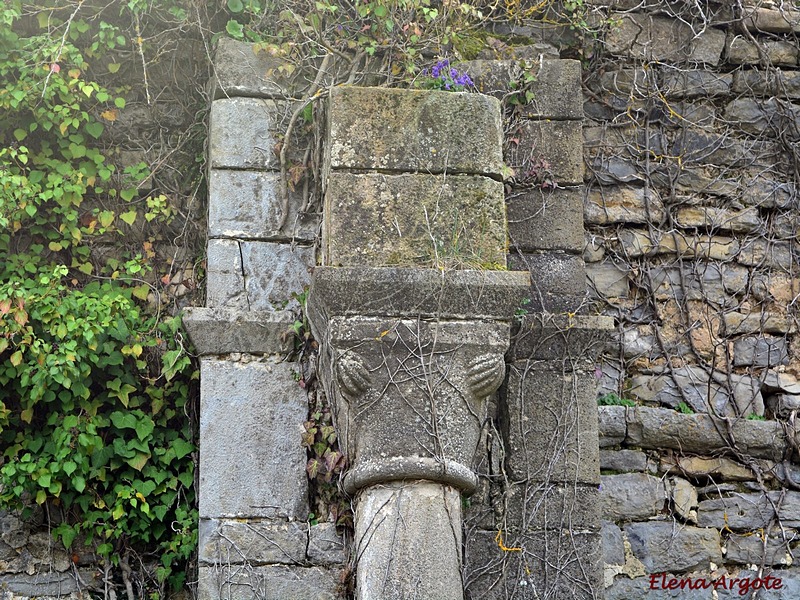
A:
(20, 134)
(182, 448)
(235, 6)
(313, 467)
(113, 67)
(139, 461)
(234, 29)
(129, 217)
(94, 129)
(16, 358)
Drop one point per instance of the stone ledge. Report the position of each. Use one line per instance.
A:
(226, 330)
(427, 293)
(241, 541)
(271, 582)
(546, 336)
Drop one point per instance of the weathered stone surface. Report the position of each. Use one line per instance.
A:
(760, 252)
(247, 204)
(225, 330)
(662, 428)
(752, 549)
(416, 293)
(775, 381)
(325, 545)
(631, 496)
(543, 505)
(607, 280)
(556, 91)
(575, 339)
(699, 280)
(243, 133)
(251, 460)
(273, 272)
(454, 221)
(551, 424)
(783, 20)
(593, 250)
(684, 499)
(789, 585)
(742, 51)
(640, 243)
(554, 565)
(271, 582)
(737, 323)
(747, 512)
(671, 547)
(236, 542)
(760, 351)
(40, 585)
(225, 277)
(624, 588)
(682, 83)
(414, 130)
(612, 425)
(784, 404)
(709, 217)
(773, 82)
(551, 273)
(549, 149)
(392, 563)
(718, 468)
(613, 548)
(663, 39)
(759, 189)
(622, 204)
(622, 460)
(545, 219)
(759, 116)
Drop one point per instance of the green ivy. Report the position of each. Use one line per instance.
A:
(94, 390)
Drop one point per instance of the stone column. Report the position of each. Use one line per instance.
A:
(413, 320)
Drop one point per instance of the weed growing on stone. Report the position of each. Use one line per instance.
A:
(613, 399)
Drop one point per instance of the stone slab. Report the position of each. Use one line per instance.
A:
(623, 460)
(672, 547)
(556, 273)
(325, 545)
(395, 292)
(631, 496)
(414, 130)
(244, 133)
(747, 512)
(225, 286)
(751, 549)
(247, 204)
(251, 460)
(607, 280)
(613, 544)
(760, 351)
(253, 542)
(546, 219)
(556, 89)
(56, 585)
(622, 204)
(575, 339)
(551, 424)
(431, 221)
(226, 330)
(273, 272)
(548, 151)
(558, 565)
(660, 428)
(612, 425)
(742, 51)
(271, 582)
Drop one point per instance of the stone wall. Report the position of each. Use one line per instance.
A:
(691, 214)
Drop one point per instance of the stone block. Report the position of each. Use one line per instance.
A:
(546, 219)
(559, 565)
(631, 496)
(538, 505)
(273, 272)
(698, 467)
(747, 512)
(784, 404)
(556, 91)
(760, 252)
(672, 547)
(737, 323)
(680, 83)
(551, 424)
(612, 425)
(43, 585)
(552, 273)
(752, 549)
(239, 542)
(783, 20)
(226, 330)
(325, 545)
(742, 51)
(270, 582)
(783, 584)
(244, 133)
(710, 281)
(761, 190)
(225, 276)
(663, 39)
(613, 544)
(548, 151)
(415, 293)
(247, 204)
(575, 340)
(760, 351)
(414, 130)
(623, 460)
(759, 116)
(433, 221)
(698, 148)
(699, 245)
(607, 280)
(251, 460)
(782, 84)
(661, 428)
(622, 204)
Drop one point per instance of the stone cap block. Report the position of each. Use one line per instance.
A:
(545, 336)
(397, 292)
(546, 219)
(226, 330)
(252, 541)
(548, 151)
(414, 130)
(377, 220)
(557, 92)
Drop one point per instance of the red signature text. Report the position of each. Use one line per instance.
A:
(662, 581)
